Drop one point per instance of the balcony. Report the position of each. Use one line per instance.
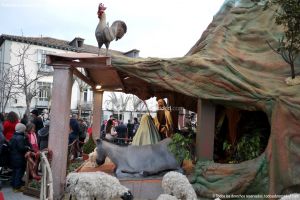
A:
(85, 105)
(42, 104)
(45, 69)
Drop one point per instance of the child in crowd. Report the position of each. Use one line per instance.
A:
(30, 130)
(19, 145)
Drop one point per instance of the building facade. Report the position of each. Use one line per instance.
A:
(24, 59)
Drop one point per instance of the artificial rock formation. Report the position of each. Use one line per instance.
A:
(232, 65)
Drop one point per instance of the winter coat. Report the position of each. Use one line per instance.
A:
(72, 137)
(43, 136)
(38, 122)
(33, 141)
(9, 129)
(19, 145)
(2, 141)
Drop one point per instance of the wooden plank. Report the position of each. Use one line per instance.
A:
(205, 130)
(83, 77)
(59, 128)
(101, 66)
(97, 113)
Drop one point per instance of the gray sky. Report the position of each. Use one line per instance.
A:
(158, 28)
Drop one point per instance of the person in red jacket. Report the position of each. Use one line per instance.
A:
(9, 125)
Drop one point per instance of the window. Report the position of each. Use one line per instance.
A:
(43, 67)
(44, 91)
(118, 117)
(85, 95)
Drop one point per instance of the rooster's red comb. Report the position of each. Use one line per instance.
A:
(101, 6)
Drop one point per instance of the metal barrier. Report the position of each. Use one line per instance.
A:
(47, 180)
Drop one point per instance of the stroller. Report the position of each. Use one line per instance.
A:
(5, 172)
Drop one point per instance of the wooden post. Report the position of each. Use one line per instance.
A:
(59, 127)
(97, 111)
(205, 130)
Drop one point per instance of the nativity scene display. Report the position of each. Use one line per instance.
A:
(227, 118)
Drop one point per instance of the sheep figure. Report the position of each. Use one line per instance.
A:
(96, 185)
(93, 157)
(166, 197)
(294, 196)
(178, 185)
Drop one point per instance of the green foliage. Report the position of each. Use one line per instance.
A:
(181, 147)
(247, 148)
(35, 184)
(89, 146)
(74, 165)
(288, 15)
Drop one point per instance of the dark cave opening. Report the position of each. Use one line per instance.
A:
(240, 135)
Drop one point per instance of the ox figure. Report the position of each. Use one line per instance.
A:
(138, 161)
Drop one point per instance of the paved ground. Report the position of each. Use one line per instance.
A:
(10, 195)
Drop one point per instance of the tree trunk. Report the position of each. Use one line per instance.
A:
(292, 70)
(27, 111)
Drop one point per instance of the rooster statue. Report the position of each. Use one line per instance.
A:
(104, 33)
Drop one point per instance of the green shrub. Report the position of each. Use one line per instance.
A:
(74, 165)
(180, 146)
(89, 146)
(247, 148)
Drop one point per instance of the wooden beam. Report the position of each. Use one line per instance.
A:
(112, 88)
(78, 61)
(83, 77)
(97, 113)
(205, 130)
(59, 128)
(101, 66)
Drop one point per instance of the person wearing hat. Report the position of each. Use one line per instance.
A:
(36, 120)
(19, 145)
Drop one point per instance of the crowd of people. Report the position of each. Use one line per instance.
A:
(149, 131)
(19, 136)
(115, 130)
(31, 133)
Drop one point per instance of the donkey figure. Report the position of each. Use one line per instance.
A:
(138, 161)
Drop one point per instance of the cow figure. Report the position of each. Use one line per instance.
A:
(138, 161)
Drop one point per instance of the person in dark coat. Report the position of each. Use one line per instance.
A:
(43, 136)
(82, 134)
(122, 132)
(19, 145)
(102, 129)
(74, 128)
(2, 137)
(36, 120)
(24, 120)
(136, 125)
(130, 127)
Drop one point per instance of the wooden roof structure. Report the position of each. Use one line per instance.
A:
(102, 76)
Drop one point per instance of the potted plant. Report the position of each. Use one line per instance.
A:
(88, 148)
(181, 147)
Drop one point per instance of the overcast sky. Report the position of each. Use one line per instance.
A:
(158, 28)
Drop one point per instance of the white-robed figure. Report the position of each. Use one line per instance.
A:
(147, 133)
